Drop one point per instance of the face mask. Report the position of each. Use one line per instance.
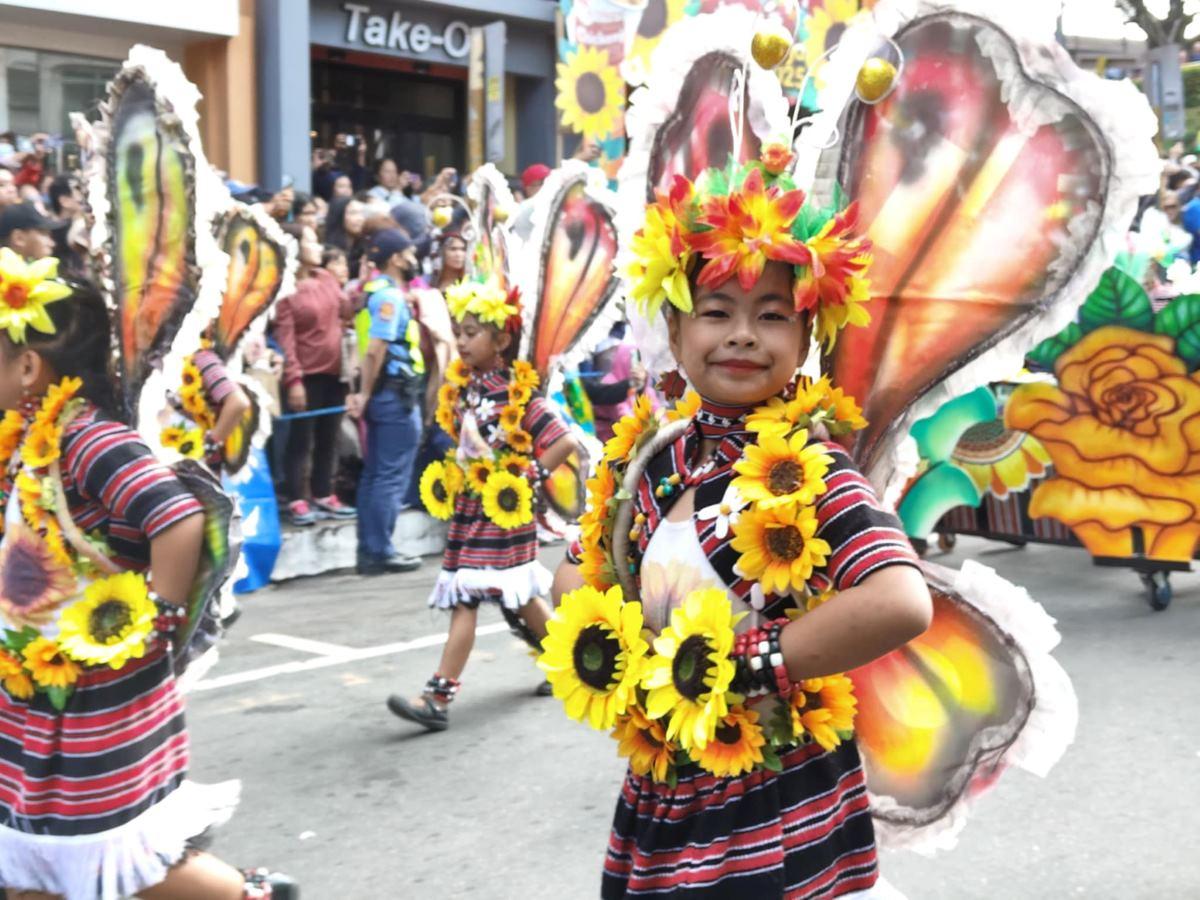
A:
(408, 191)
(407, 272)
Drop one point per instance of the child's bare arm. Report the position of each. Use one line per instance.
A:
(174, 557)
(566, 579)
(232, 409)
(861, 624)
(556, 454)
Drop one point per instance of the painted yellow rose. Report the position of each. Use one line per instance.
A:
(1123, 430)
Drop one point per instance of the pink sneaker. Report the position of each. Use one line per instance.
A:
(301, 513)
(334, 507)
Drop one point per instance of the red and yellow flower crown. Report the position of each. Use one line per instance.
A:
(737, 219)
(25, 289)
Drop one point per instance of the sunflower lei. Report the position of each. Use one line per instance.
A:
(113, 619)
(500, 481)
(736, 220)
(194, 416)
(675, 704)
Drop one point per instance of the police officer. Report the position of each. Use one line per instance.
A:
(390, 400)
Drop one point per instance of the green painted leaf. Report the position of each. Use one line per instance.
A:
(1180, 319)
(938, 435)
(934, 494)
(1044, 355)
(1117, 300)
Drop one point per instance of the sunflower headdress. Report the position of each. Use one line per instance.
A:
(731, 222)
(25, 289)
(488, 301)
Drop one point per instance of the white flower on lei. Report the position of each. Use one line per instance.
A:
(485, 409)
(725, 513)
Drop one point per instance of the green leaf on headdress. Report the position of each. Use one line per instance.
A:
(1044, 355)
(1180, 319)
(839, 200)
(1117, 300)
(810, 220)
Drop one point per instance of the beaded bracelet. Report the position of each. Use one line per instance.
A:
(170, 616)
(759, 655)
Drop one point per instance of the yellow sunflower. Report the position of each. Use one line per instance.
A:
(520, 440)
(447, 421)
(643, 741)
(687, 407)
(628, 431)
(593, 654)
(455, 477)
(435, 491)
(601, 488)
(193, 400)
(507, 500)
(12, 428)
(594, 567)
(59, 395)
(736, 746)
(458, 374)
(172, 436)
(590, 93)
(655, 19)
(191, 373)
(514, 463)
(779, 470)
(45, 582)
(448, 394)
(478, 472)
(25, 289)
(510, 417)
(524, 373)
(110, 625)
(192, 444)
(824, 709)
(14, 677)
(518, 393)
(41, 445)
(833, 317)
(48, 666)
(826, 25)
(779, 547)
(690, 674)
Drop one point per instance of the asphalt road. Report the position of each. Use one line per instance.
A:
(514, 801)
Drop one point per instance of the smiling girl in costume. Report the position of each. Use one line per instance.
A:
(741, 520)
(506, 434)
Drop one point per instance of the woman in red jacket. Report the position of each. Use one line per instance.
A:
(309, 326)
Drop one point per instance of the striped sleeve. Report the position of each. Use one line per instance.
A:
(543, 423)
(863, 536)
(213, 376)
(110, 465)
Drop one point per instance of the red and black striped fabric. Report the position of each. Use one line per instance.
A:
(114, 483)
(474, 542)
(214, 377)
(800, 834)
(118, 748)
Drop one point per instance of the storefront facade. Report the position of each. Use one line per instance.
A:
(395, 76)
(57, 56)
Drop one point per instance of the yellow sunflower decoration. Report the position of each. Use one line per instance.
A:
(14, 677)
(593, 655)
(590, 93)
(41, 446)
(456, 478)
(436, 492)
(643, 741)
(458, 374)
(511, 416)
(824, 709)
(691, 671)
(514, 463)
(736, 746)
(524, 373)
(48, 666)
(826, 24)
(779, 547)
(519, 393)
(778, 470)
(111, 624)
(628, 431)
(507, 500)
(520, 440)
(478, 473)
(656, 18)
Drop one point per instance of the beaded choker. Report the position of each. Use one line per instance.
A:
(716, 420)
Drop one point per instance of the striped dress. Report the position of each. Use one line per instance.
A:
(483, 561)
(801, 833)
(93, 799)
(214, 377)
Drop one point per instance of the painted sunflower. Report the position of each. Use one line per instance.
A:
(41, 445)
(736, 746)
(520, 440)
(778, 470)
(478, 472)
(510, 417)
(643, 741)
(507, 500)
(33, 583)
(824, 709)
(436, 494)
(14, 677)
(590, 93)
(825, 25)
(594, 655)
(111, 624)
(656, 18)
(628, 431)
(690, 674)
(48, 666)
(779, 547)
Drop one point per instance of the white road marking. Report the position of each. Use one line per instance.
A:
(320, 648)
(322, 662)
